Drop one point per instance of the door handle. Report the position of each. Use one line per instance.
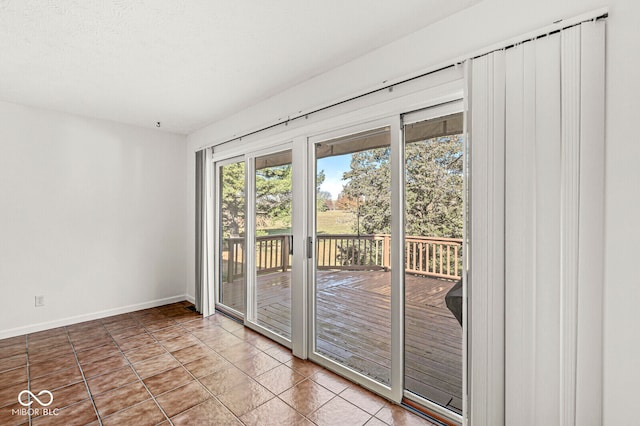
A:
(309, 247)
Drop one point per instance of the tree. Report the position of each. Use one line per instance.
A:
(273, 195)
(345, 202)
(330, 204)
(232, 200)
(369, 185)
(321, 196)
(433, 188)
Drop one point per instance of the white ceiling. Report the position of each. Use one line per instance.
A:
(187, 63)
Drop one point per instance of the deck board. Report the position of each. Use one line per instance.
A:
(354, 327)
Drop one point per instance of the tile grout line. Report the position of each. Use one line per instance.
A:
(84, 379)
(321, 405)
(135, 371)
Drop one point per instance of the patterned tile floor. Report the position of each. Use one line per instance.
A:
(168, 365)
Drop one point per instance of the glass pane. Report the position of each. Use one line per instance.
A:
(232, 234)
(353, 282)
(434, 151)
(273, 242)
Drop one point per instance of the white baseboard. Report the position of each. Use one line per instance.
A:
(190, 298)
(33, 328)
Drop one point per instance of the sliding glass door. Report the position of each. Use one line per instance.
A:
(386, 242)
(434, 226)
(351, 237)
(230, 229)
(271, 207)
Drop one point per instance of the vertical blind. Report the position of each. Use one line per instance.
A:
(204, 235)
(486, 260)
(537, 175)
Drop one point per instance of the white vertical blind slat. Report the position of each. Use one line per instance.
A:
(496, 300)
(547, 158)
(486, 283)
(591, 249)
(515, 242)
(569, 219)
(480, 135)
(520, 229)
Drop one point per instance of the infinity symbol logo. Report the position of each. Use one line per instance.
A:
(42, 392)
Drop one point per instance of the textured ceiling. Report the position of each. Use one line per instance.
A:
(187, 63)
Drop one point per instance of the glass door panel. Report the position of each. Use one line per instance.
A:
(231, 234)
(434, 215)
(352, 276)
(273, 242)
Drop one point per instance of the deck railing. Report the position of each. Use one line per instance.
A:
(431, 256)
(232, 258)
(346, 251)
(273, 253)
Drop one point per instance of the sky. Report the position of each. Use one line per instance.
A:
(333, 168)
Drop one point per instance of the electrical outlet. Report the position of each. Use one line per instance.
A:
(39, 301)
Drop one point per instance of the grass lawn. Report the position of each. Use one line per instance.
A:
(329, 222)
(335, 222)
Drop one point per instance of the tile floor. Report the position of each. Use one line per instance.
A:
(168, 365)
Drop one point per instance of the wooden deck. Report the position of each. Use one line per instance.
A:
(354, 327)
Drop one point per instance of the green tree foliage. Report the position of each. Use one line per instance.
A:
(321, 196)
(369, 185)
(273, 196)
(233, 200)
(433, 188)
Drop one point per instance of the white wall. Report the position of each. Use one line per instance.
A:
(92, 218)
(489, 22)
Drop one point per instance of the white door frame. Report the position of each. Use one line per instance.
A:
(393, 391)
(430, 113)
(217, 252)
(251, 317)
